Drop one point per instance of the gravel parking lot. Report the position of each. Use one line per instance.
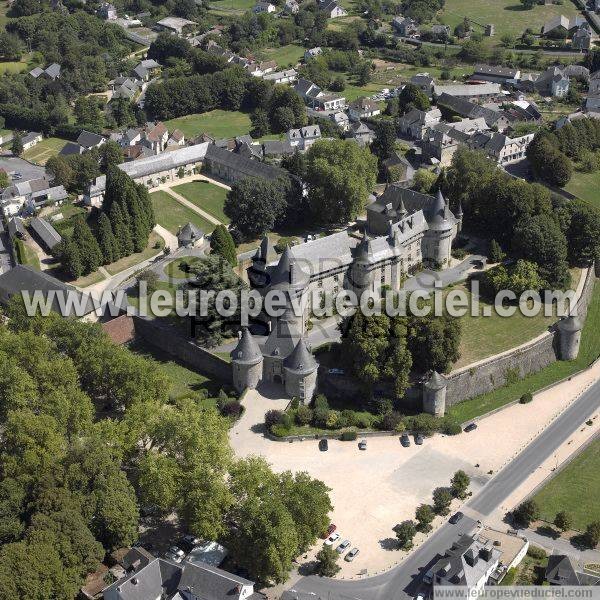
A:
(12, 164)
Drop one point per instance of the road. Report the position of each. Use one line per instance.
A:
(403, 581)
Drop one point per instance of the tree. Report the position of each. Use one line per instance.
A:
(327, 559)
(528, 4)
(16, 146)
(434, 342)
(526, 512)
(424, 180)
(582, 231)
(222, 243)
(11, 47)
(592, 534)
(385, 139)
(260, 123)
(442, 498)
(70, 257)
(563, 520)
(340, 176)
(106, 240)
(424, 514)
(255, 205)
(363, 71)
(61, 171)
(405, 533)
(4, 180)
(460, 484)
(150, 279)
(89, 250)
(411, 97)
(495, 254)
(111, 155)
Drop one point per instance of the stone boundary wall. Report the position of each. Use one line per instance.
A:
(168, 338)
(487, 375)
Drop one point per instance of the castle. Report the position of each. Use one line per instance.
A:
(404, 230)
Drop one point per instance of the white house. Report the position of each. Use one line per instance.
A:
(333, 10)
(363, 107)
(264, 7)
(31, 139)
(287, 76)
(304, 137)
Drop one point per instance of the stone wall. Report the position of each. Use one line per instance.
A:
(170, 339)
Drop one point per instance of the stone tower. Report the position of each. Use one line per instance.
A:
(246, 362)
(438, 239)
(301, 373)
(569, 337)
(360, 276)
(434, 395)
(257, 272)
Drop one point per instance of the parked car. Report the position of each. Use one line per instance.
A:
(419, 439)
(175, 554)
(332, 539)
(190, 541)
(343, 547)
(456, 517)
(351, 555)
(323, 445)
(405, 440)
(470, 427)
(336, 371)
(362, 445)
(329, 531)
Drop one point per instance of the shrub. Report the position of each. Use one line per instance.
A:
(381, 406)
(232, 409)
(286, 420)
(526, 398)
(349, 435)
(332, 419)
(450, 426)
(363, 421)
(279, 430)
(304, 415)
(536, 552)
(348, 417)
(294, 403)
(423, 423)
(320, 402)
(391, 420)
(272, 418)
(459, 253)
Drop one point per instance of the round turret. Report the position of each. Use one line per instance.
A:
(569, 337)
(360, 271)
(300, 372)
(434, 395)
(246, 362)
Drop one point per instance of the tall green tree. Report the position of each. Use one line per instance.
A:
(222, 243)
(327, 562)
(16, 146)
(89, 250)
(106, 240)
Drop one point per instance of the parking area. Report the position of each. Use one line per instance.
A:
(13, 164)
(374, 489)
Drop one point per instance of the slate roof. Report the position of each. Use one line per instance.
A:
(466, 90)
(245, 166)
(282, 340)
(495, 71)
(53, 71)
(301, 360)
(30, 137)
(467, 109)
(189, 233)
(246, 351)
(165, 161)
(277, 148)
(87, 139)
(46, 232)
(364, 105)
(16, 227)
(71, 148)
(436, 381)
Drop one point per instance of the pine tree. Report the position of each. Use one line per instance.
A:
(89, 250)
(137, 219)
(106, 240)
(70, 258)
(222, 243)
(17, 144)
(120, 227)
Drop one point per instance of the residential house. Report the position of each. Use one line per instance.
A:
(51, 72)
(107, 11)
(307, 90)
(468, 563)
(398, 169)
(495, 74)
(578, 72)
(465, 90)
(360, 133)
(287, 76)
(582, 38)
(190, 236)
(127, 138)
(405, 26)
(261, 69)
(341, 120)
(71, 149)
(501, 148)
(176, 138)
(264, 7)
(440, 33)
(333, 10)
(30, 139)
(415, 122)
(175, 25)
(563, 570)
(594, 85)
(155, 136)
(362, 108)
(424, 82)
(88, 140)
(455, 105)
(291, 7)
(28, 196)
(522, 110)
(49, 237)
(277, 149)
(16, 229)
(560, 26)
(136, 152)
(312, 52)
(552, 82)
(124, 87)
(440, 143)
(304, 138)
(314, 96)
(592, 103)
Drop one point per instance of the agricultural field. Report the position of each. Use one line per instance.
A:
(206, 196)
(172, 215)
(217, 123)
(585, 186)
(508, 16)
(45, 150)
(575, 489)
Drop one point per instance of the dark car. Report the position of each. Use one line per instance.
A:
(419, 439)
(329, 531)
(456, 517)
(470, 427)
(405, 440)
(323, 445)
(362, 445)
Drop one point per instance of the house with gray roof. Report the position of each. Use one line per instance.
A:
(88, 140)
(361, 133)
(190, 236)
(466, 90)
(424, 82)
(564, 570)
(51, 72)
(30, 139)
(176, 25)
(560, 26)
(304, 137)
(494, 73)
(415, 122)
(49, 237)
(453, 105)
(405, 26)
(552, 82)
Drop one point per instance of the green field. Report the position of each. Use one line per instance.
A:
(588, 352)
(283, 56)
(217, 123)
(172, 215)
(508, 16)
(230, 7)
(46, 149)
(174, 270)
(205, 195)
(585, 186)
(14, 67)
(576, 490)
(155, 245)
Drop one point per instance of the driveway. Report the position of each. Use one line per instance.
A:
(13, 164)
(374, 490)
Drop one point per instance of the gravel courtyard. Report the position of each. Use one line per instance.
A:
(375, 489)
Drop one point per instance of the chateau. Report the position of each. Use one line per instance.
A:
(404, 231)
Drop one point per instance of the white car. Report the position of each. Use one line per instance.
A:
(174, 554)
(332, 539)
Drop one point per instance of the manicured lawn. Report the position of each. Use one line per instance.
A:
(26, 255)
(588, 352)
(155, 245)
(174, 268)
(230, 7)
(46, 149)
(172, 215)
(576, 490)
(586, 186)
(217, 123)
(206, 196)
(508, 16)
(352, 91)
(284, 56)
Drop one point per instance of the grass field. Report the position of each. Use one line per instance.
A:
(46, 149)
(576, 490)
(588, 352)
(508, 16)
(205, 195)
(174, 268)
(585, 186)
(283, 56)
(230, 7)
(218, 123)
(14, 66)
(155, 245)
(172, 215)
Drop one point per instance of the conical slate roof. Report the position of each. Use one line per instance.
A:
(282, 340)
(190, 232)
(436, 381)
(570, 323)
(301, 360)
(438, 214)
(287, 273)
(363, 250)
(247, 350)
